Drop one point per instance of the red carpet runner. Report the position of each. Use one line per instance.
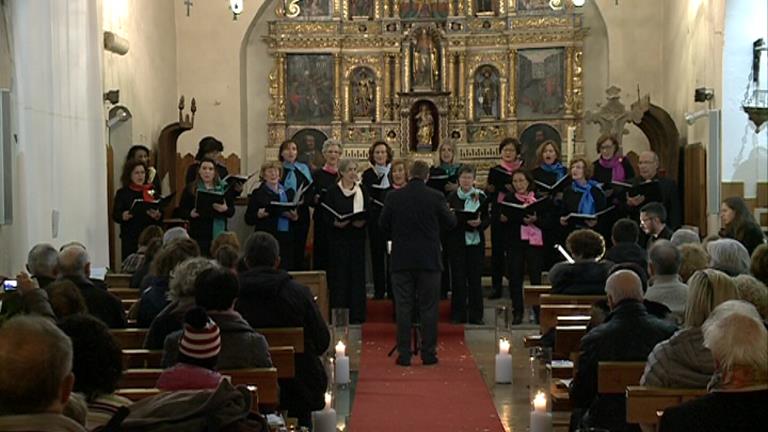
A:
(448, 397)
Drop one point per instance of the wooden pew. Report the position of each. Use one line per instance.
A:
(130, 338)
(265, 380)
(137, 394)
(284, 360)
(549, 313)
(118, 280)
(567, 340)
(615, 377)
(128, 304)
(284, 336)
(531, 293)
(126, 293)
(570, 299)
(644, 403)
(317, 283)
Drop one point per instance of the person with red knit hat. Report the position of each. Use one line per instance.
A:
(199, 349)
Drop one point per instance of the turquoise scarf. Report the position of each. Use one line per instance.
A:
(450, 169)
(219, 223)
(472, 201)
(291, 183)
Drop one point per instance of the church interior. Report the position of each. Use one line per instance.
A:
(265, 90)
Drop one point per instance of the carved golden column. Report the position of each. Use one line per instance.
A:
(451, 10)
(452, 75)
(512, 107)
(339, 6)
(406, 68)
(461, 7)
(338, 87)
(379, 97)
(395, 8)
(281, 84)
(469, 10)
(386, 8)
(443, 83)
(377, 10)
(462, 89)
(470, 100)
(398, 74)
(502, 7)
(569, 81)
(387, 77)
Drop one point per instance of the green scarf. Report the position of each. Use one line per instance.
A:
(472, 201)
(219, 223)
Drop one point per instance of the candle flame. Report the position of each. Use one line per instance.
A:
(540, 401)
(327, 399)
(340, 346)
(504, 346)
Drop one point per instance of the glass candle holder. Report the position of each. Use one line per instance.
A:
(503, 322)
(340, 326)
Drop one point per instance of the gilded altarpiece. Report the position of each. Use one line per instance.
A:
(419, 74)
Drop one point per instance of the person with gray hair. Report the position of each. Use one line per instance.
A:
(684, 236)
(326, 178)
(175, 233)
(42, 263)
(728, 256)
(628, 333)
(665, 286)
(36, 377)
(750, 289)
(75, 266)
(30, 296)
(738, 341)
(181, 293)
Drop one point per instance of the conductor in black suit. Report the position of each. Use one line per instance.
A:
(413, 217)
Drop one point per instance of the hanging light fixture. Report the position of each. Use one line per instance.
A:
(237, 7)
(755, 102)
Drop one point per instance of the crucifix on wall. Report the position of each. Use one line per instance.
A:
(612, 116)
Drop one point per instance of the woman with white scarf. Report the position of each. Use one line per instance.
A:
(346, 266)
(377, 180)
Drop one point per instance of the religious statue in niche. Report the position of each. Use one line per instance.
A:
(416, 9)
(532, 137)
(363, 94)
(360, 8)
(426, 72)
(310, 144)
(309, 90)
(484, 6)
(487, 92)
(540, 82)
(315, 8)
(425, 128)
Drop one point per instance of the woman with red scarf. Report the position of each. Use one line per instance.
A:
(609, 167)
(325, 179)
(134, 188)
(526, 239)
(497, 188)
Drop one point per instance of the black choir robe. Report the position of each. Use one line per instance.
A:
(300, 228)
(260, 199)
(132, 228)
(377, 238)
(201, 228)
(323, 182)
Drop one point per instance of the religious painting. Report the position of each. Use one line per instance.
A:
(425, 58)
(484, 6)
(360, 8)
(486, 93)
(309, 89)
(534, 6)
(420, 9)
(540, 82)
(424, 127)
(310, 146)
(315, 8)
(531, 139)
(362, 87)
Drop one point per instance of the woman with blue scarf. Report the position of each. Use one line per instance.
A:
(377, 180)
(583, 196)
(204, 228)
(466, 248)
(296, 175)
(263, 217)
(549, 170)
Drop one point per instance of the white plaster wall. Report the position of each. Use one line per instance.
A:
(146, 76)
(59, 155)
(745, 153)
(210, 68)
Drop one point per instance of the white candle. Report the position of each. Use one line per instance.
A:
(541, 420)
(325, 420)
(503, 368)
(504, 346)
(340, 350)
(342, 370)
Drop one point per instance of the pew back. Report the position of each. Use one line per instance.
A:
(644, 403)
(317, 283)
(615, 377)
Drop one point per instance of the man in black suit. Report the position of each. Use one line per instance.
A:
(413, 217)
(653, 220)
(648, 168)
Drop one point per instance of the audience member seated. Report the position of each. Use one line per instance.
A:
(175, 233)
(629, 333)
(683, 361)
(625, 248)
(759, 266)
(729, 256)
(216, 291)
(66, 299)
(586, 276)
(269, 297)
(30, 297)
(684, 236)
(664, 285)
(227, 238)
(43, 264)
(133, 262)
(97, 364)
(737, 403)
(155, 297)
(227, 257)
(739, 224)
(181, 293)
(149, 255)
(198, 354)
(753, 291)
(653, 221)
(75, 266)
(36, 377)
(693, 257)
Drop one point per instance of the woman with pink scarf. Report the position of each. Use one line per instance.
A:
(611, 166)
(526, 241)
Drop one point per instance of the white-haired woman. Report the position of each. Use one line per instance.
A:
(728, 256)
(346, 270)
(325, 179)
